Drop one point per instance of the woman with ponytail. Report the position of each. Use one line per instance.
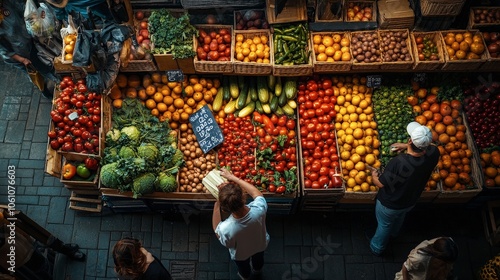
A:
(430, 260)
(133, 262)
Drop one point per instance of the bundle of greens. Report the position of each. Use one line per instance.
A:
(171, 35)
(141, 152)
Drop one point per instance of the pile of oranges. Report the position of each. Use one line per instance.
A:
(357, 135)
(491, 168)
(331, 47)
(449, 132)
(172, 101)
(254, 49)
(463, 46)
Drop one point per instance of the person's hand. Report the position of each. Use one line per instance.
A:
(399, 147)
(224, 172)
(21, 59)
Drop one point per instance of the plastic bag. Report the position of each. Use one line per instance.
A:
(40, 21)
(87, 43)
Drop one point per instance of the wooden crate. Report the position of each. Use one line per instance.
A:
(328, 67)
(61, 67)
(364, 65)
(361, 25)
(294, 10)
(297, 69)
(398, 65)
(461, 65)
(85, 202)
(441, 7)
(253, 68)
(139, 66)
(165, 62)
(204, 66)
(473, 25)
(324, 19)
(437, 39)
(242, 12)
(88, 184)
(491, 223)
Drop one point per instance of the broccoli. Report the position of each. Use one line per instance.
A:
(132, 132)
(144, 184)
(166, 183)
(127, 152)
(109, 177)
(148, 151)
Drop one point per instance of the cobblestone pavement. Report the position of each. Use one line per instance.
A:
(303, 245)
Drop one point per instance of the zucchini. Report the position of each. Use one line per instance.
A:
(252, 91)
(290, 88)
(273, 103)
(230, 107)
(266, 108)
(263, 91)
(242, 98)
(218, 100)
(233, 87)
(227, 91)
(288, 110)
(292, 103)
(247, 110)
(258, 107)
(278, 89)
(282, 100)
(271, 81)
(279, 111)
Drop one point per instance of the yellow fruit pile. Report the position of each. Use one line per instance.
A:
(172, 101)
(255, 49)
(331, 47)
(462, 46)
(69, 46)
(357, 134)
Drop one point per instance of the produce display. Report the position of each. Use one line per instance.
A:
(76, 118)
(198, 164)
(252, 48)
(84, 171)
(360, 11)
(492, 40)
(250, 20)
(392, 113)
(491, 15)
(426, 48)
(464, 45)
(490, 162)
(441, 112)
(141, 152)
(357, 134)
(143, 37)
(214, 44)
(171, 35)
(291, 44)
(395, 46)
(332, 47)
(365, 47)
(172, 101)
(317, 114)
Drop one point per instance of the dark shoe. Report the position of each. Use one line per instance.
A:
(74, 253)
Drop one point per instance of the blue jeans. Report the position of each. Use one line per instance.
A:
(389, 223)
(244, 266)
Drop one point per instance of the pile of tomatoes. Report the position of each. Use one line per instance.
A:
(237, 150)
(76, 116)
(317, 131)
(214, 45)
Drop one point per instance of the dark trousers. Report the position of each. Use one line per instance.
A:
(244, 266)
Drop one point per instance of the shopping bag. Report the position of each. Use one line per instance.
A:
(40, 20)
(36, 77)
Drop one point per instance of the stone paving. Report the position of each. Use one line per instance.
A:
(303, 245)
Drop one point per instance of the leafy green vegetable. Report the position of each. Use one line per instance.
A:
(126, 152)
(166, 182)
(132, 132)
(171, 35)
(148, 151)
(108, 176)
(144, 184)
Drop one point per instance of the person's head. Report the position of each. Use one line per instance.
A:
(420, 136)
(444, 248)
(129, 258)
(231, 197)
(444, 253)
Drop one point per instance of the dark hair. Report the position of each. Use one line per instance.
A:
(416, 149)
(231, 197)
(443, 254)
(128, 257)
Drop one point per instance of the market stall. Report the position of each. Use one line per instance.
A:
(303, 110)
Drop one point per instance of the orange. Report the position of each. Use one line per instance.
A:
(178, 103)
(451, 130)
(150, 104)
(158, 97)
(117, 103)
(168, 100)
(162, 107)
(490, 172)
(443, 138)
(327, 41)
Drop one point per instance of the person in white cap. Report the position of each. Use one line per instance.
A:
(401, 183)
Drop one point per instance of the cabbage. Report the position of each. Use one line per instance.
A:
(113, 134)
(109, 176)
(132, 132)
(144, 184)
(148, 151)
(126, 152)
(166, 183)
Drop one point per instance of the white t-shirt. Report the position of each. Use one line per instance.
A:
(246, 236)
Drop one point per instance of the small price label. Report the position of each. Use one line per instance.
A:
(374, 81)
(175, 75)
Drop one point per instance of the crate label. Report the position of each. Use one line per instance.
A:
(175, 75)
(206, 129)
(374, 81)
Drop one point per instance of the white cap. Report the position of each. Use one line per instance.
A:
(421, 135)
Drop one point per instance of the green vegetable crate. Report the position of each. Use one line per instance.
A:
(436, 38)
(284, 65)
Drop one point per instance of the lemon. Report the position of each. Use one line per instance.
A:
(370, 159)
(360, 166)
(361, 150)
(351, 183)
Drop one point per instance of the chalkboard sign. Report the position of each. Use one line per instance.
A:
(374, 81)
(206, 129)
(175, 75)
